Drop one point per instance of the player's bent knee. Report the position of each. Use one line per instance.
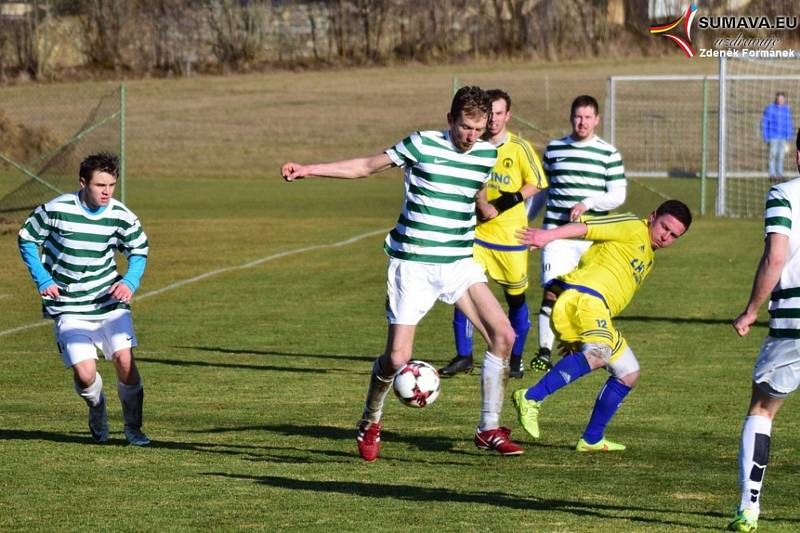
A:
(629, 379)
(598, 351)
(502, 340)
(85, 373)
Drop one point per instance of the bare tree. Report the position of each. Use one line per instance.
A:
(31, 39)
(103, 23)
(238, 31)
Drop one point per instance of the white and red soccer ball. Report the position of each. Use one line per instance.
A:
(416, 384)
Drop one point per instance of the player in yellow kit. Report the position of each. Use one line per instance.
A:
(516, 176)
(607, 277)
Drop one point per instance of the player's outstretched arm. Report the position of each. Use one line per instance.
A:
(776, 249)
(539, 238)
(360, 167)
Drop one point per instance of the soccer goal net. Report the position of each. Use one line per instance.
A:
(669, 126)
(45, 132)
(751, 85)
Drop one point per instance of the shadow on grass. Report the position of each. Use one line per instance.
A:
(253, 452)
(51, 436)
(368, 358)
(268, 368)
(428, 442)
(496, 499)
(683, 320)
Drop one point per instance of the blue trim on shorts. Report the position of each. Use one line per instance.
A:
(563, 286)
(502, 247)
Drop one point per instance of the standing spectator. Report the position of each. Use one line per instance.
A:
(776, 129)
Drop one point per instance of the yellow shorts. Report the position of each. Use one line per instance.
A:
(580, 318)
(508, 268)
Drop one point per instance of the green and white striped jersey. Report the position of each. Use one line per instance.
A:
(437, 223)
(782, 215)
(577, 171)
(78, 252)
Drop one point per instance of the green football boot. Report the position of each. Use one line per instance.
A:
(527, 412)
(745, 520)
(604, 445)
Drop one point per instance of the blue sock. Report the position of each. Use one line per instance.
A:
(462, 328)
(521, 324)
(569, 369)
(605, 407)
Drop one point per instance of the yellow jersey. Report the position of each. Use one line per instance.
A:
(517, 164)
(617, 262)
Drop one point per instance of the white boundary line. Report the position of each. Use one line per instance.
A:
(249, 264)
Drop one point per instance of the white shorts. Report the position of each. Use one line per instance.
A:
(623, 365)
(561, 256)
(778, 366)
(79, 339)
(412, 287)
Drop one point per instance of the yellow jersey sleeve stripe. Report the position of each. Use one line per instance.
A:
(610, 219)
(533, 161)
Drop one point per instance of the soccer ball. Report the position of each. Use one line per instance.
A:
(416, 384)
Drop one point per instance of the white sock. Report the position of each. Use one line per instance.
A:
(92, 394)
(753, 459)
(494, 374)
(546, 335)
(379, 385)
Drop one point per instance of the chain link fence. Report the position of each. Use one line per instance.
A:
(44, 137)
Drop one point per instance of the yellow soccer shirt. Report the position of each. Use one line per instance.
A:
(517, 164)
(619, 259)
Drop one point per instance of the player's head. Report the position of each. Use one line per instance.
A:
(98, 178)
(671, 220)
(780, 97)
(501, 113)
(584, 115)
(468, 115)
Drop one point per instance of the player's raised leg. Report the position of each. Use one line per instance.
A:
(624, 369)
(481, 307)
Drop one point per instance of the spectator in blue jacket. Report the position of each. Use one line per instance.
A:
(776, 129)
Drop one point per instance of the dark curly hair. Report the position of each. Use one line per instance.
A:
(100, 162)
(472, 100)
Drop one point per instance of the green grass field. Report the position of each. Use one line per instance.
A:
(255, 372)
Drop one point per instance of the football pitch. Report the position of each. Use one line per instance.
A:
(262, 310)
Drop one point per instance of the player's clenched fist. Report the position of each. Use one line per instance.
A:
(292, 171)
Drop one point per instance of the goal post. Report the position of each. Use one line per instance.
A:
(750, 85)
(667, 126)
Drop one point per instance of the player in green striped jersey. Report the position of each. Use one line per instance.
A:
(430, 256)
(777, 370)
(586, 176)
(82, 292)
